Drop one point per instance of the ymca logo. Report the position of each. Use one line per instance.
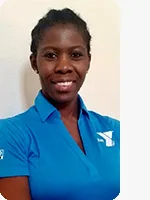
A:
(1, 154)
(107, 138)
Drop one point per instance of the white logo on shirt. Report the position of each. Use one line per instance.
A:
(107, 136)
(1, 154)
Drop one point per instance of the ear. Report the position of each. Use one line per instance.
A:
(33, 63)
(89, 61)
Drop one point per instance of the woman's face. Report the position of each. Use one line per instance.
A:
(62, 62)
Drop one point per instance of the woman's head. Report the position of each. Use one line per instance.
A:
(54, 17)
(61, 54)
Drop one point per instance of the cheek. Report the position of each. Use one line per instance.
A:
(45, 69)
(82, 69)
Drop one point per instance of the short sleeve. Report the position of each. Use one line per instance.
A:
(13, 150)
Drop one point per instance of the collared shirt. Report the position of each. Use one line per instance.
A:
(37, 144)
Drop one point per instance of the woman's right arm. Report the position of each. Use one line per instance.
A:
(15, 188)
(14, 170)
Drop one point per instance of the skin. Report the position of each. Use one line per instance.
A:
(61, 55)
(15, 188)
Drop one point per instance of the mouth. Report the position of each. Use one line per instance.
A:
(63, 85)
(66, 83)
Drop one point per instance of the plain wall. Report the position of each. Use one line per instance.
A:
(19, 84)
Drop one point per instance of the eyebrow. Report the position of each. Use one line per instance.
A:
(45, 48)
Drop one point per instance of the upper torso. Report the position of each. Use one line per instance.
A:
(56, 165)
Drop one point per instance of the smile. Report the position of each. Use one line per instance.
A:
(67, 83)
(64, 86)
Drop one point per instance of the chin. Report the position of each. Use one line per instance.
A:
(64, 98)
(61, 97)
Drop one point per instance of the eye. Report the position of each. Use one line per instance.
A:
(76, 55)
(50, 56)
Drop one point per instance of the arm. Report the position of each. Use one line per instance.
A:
(14, 171)
(15, 188)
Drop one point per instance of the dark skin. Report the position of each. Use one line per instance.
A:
(62, 56)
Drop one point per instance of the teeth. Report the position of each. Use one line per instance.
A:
(64, 83)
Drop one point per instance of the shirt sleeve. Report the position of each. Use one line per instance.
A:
(13, 150)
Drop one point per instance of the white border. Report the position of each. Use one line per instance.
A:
(135, 99)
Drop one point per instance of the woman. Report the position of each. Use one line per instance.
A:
(58, 149)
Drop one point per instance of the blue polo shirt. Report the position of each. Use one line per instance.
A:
(37, 144)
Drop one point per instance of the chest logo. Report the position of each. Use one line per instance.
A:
(107, 138)
(1, 154)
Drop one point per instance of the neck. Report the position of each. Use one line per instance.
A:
(68, 110)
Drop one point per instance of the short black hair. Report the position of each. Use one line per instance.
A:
(54, 17)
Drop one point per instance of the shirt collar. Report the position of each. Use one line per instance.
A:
(83, 108)
(45, 108)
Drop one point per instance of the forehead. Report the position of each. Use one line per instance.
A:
(62, 36)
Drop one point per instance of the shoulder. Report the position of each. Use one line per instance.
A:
(15, 145)
(105, 120)
(18, 119)
(14, 127)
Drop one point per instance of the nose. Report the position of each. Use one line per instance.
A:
(63, 65)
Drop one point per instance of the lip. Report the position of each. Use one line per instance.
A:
(62, 80)
(64, 88)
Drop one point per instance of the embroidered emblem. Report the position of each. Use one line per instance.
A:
(107, 137)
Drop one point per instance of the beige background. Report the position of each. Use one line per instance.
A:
(18, 83)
